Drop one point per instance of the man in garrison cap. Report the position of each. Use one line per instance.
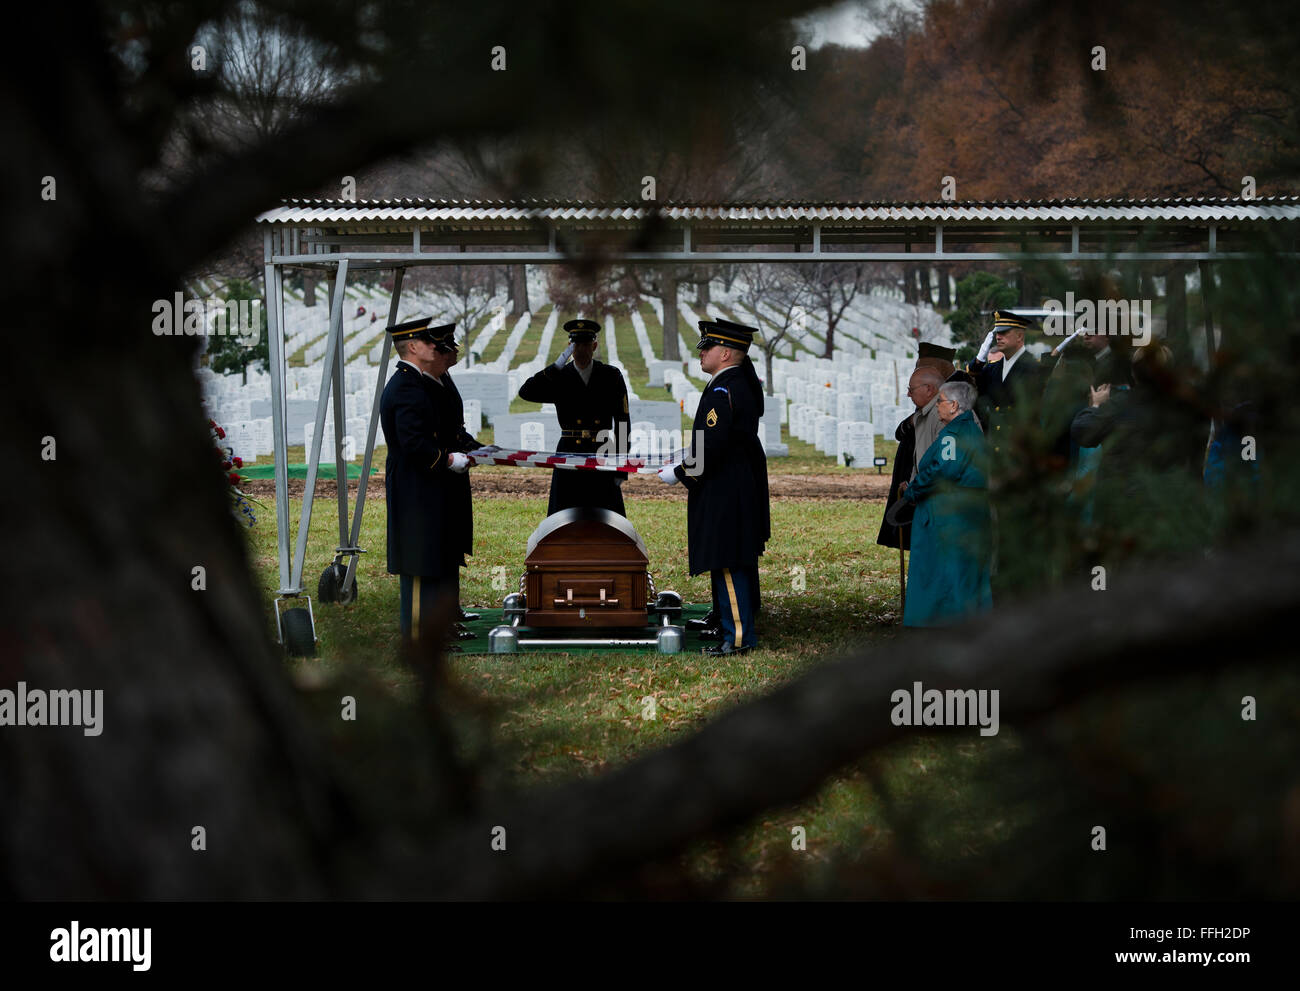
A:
(590, 397)
(430, 519)
(728, 520)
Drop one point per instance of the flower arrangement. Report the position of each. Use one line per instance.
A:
(241, 504)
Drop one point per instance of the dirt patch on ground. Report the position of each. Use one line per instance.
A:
(515, 483)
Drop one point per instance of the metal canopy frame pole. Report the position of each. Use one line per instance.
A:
(340, 422)
(1207, 304)
(313, 458)
(274, 288)
(353, 547)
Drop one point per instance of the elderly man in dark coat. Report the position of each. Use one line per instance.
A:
(727, 512)
(430, 519)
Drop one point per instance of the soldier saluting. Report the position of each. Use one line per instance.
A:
(727, 513)
(1016, 378)
(590, 397)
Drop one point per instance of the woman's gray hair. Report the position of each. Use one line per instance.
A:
(963, 392)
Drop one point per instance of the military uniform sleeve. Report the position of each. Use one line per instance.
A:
(465, 441)
(710, 444)
(544, 387)
(413, 418)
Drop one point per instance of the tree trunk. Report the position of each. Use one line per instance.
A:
(923, 291)
(767, 380)
(668, 297)
(519, 304)
(199, 724)
(829, 350)
(945, 298)
(1176, 335)
(702, 292)
(909, 284)
(309, 288)
(1027, 288)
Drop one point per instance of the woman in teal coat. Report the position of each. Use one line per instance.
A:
(948, 575)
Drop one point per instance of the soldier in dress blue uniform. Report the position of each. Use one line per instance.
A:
(589, 397)
(430, 519)
(1017, 378)
(1015, 381)
(727, 513)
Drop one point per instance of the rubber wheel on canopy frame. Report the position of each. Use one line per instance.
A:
(330, 586)
(299, 640)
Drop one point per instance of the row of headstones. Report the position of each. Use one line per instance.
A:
(355, 432)
(503, 361)
(489, 331)
(657, 305)
(850, 442)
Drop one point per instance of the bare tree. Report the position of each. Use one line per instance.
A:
(779, 289)
(831, 287)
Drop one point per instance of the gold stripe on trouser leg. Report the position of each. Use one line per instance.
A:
(735, 608)
(415, 608)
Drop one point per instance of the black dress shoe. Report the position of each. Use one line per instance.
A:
(723, 648)
(468, 617)
(709, 633)
(709, 622)
(464, 634)
(452, 648)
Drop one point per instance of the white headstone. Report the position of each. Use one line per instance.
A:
(826, 434)
(473, 416)
(692, 403)
(853, 406)
(532, 436)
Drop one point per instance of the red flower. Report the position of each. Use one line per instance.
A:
(221, 433)
(226, 465)
(234, 479)
(239, 462)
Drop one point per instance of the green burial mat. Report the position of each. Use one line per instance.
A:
(490, 618)
(300, 471)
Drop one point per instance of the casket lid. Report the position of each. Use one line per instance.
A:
(566, 516)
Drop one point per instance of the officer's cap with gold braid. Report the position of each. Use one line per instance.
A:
(581, 331)
(1006, 320)
(443, 338)
(726, 334)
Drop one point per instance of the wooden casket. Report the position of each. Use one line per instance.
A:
(585, 568)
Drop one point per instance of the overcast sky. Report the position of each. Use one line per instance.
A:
(850, 24)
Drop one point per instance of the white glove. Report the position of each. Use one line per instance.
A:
(459, 463)
(985, 348)
(564, 357)
(668, 474)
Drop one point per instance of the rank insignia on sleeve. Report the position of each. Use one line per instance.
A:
(712, 418)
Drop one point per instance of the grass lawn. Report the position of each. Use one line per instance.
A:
(826, 585)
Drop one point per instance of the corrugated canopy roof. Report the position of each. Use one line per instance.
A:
(412, 212)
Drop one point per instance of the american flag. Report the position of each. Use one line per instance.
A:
(629, 464)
